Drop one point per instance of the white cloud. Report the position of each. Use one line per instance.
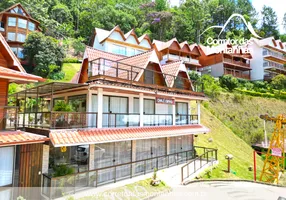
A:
(277, 5)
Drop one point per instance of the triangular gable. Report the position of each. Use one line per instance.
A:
(116, 28)
(185, 47)
(12, 10)
(196, 51)
(130, 34)
(146, 37)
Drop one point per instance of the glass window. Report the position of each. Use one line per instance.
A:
(20, 53)
(181, 108)
(149, 77)
(22, 23)
(181, 143)
(6, 168)
(11, 36)
(78, 103)
(149, 106)
(11, 21)
(130, 52)
(58, 100)
(76, 157)
(21, 37)
(31, 26)
(2, 26)
(14, 49)
(136, 108)
(119, 49)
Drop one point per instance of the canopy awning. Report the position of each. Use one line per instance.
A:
(8, 138)
(74, 137)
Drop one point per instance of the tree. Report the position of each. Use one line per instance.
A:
(229, 82)
(43, 51)
(284, 21)
(269, 22)
(279, 82)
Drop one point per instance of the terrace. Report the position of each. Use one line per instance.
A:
(36, 109)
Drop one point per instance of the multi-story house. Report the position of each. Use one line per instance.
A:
(115, 41)
(20, 151)
(219, 64)
(123, 117)
(268, 58)
(15, 24)
(172, 50)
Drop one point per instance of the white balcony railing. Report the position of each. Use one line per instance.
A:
(269, 64)
(183, 58)
(274, 54)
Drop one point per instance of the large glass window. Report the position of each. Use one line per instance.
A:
(115, 110)
(11, 36)
(31, 26)
(11, 21)
(75, 157)
(21, 37)
(181, 108)
(149, 106)
(6, 165)
(136, 106)
(109, 154)
(22, 23)
(130, 52)
(14, 49)
(119, 49)
(180, 144)
(78, 103)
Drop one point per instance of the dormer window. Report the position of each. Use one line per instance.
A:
(18, 10)
(11, 21)
(149, 77)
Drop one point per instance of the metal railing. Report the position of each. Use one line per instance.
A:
(209, 155)
(120, 120)
(236, 62)
(8, 117)
(55, 187)
(158, 119)
(58, 119)
(187, 119)
(274, 65)
(274, 54)
(120, 70)
(236, 73)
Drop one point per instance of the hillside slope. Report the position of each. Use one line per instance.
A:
(227, 143)
(241, 114)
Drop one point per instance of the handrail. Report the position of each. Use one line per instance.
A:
(205, 155)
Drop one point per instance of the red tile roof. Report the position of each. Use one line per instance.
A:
(17, 75)
(92, 136)
(172, 69)
(20, 137)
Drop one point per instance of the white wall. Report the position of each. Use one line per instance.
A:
(96, 44)
(217, 69)
(256, 63)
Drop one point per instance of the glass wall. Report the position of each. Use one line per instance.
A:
(109, 154)
(78, 103)
(22, 23)
(11, 21)
(6, 166)
(75, 157)
(180, 144)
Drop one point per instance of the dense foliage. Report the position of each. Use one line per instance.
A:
(64, 19)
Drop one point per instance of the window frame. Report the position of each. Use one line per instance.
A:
(22, 20)
(14, 18)
(14, 36)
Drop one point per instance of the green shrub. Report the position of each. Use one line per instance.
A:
(71, 60)
(63, 106)
(62, 170)
(229, 82)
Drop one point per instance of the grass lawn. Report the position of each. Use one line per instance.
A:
(70, 69)
(135, 191)
(227, 143)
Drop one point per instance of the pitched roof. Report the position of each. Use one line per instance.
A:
(172, 69)
(271, 42)
(164, 45)
(18, 73)
(20, 137)
(92, 53)
(102, 135)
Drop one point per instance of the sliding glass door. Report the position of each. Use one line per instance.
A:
(180, 144)
(6, 166)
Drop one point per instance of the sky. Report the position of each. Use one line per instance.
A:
(279, 6)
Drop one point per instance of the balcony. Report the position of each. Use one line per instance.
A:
(236, 73)
(273, 65)
(183, 58)
(8, 118)
(275, 56)
(236, 63)
(69, 120)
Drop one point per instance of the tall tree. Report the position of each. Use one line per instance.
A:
(269, 22)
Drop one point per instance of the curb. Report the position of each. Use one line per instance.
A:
(231, 180)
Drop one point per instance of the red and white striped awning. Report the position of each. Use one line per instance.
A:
(72, 137)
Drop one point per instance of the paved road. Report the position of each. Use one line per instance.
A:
(218, 190)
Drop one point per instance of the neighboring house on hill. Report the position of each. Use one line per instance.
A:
(219, 64)
(21, 152)
(268, 58)
(15, 24)
(115, 41)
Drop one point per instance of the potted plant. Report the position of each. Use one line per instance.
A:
(155, 181)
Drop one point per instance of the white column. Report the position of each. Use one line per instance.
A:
(168, 145)
(141, 108)
(91, 157)
(99, 107)
(199, 111)
(174, 113)
(130, 104)
(45, 163)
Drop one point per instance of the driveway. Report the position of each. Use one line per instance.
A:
(224, 190)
